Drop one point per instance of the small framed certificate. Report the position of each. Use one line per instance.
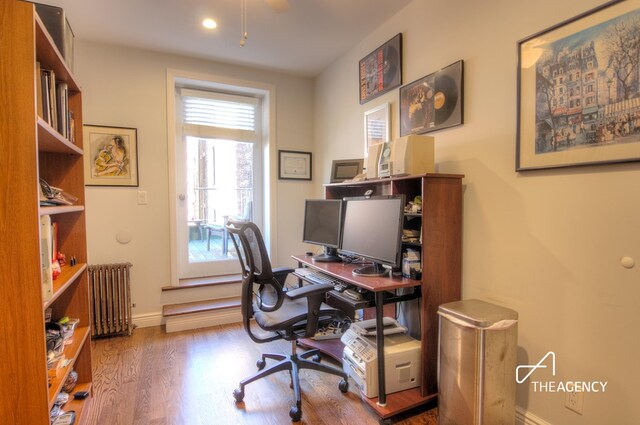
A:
(294, 165)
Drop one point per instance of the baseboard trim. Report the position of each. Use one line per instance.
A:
(524, 417)
(148, 320)
(203, 320)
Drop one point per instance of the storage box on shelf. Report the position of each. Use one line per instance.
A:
(34, 148)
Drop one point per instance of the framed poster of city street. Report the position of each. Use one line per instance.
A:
(381, 70)
(579, 90)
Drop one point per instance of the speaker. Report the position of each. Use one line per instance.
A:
(372, 160)
(411, 155)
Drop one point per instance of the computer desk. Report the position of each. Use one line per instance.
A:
(380, 287)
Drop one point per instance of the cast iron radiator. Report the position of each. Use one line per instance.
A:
(110, 291)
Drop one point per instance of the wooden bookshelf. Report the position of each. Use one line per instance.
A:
(34, 149)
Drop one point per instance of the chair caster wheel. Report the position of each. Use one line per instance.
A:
(238, 394)
(316, 358)
(261, 364)
(343, 385)
(295, 413)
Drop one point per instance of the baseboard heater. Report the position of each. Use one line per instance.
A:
(110, 291)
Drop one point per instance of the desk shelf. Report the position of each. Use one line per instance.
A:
(399, 402)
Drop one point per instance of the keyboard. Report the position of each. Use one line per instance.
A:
(314, 276)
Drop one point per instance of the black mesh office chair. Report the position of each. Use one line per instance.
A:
(289, 315)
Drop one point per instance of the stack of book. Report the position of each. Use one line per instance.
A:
(53, 103)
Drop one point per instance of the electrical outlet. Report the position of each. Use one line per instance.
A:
(574, 400)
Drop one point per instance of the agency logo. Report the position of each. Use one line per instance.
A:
(539, 365)
(524, 372)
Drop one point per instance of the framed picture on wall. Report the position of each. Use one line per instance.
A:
(381, 70)
(579, 91)
(294, 165)
(377, 126)
(345, 169)
(110, 156)
(433, 102)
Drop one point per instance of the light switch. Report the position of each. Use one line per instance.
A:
(142, 197)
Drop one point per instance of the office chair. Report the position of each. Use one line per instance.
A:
(291, 315)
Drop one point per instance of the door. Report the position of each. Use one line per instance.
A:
(218, 171)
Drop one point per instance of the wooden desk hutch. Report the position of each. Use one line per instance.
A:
(441, 259)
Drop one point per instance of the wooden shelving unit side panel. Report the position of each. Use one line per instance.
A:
(441, 263)
(60, 163)
(22, 332)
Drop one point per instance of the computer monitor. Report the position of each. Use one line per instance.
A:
(323, 226)
(372, 229)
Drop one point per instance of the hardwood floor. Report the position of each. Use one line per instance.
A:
(187, 378)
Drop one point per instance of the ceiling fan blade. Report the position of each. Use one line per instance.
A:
(278, 5)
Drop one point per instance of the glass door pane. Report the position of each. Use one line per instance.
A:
(219, 184)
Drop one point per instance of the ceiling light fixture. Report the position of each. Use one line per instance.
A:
(243, 21)
(209, 23)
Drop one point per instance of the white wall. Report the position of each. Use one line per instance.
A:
(545, 243)
(127, 87)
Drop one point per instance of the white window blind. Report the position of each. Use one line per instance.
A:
(218, 115)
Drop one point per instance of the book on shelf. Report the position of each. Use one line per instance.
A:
(39, 89)
(44, 92)
(62, 103)
(53, 105)
(54, 241)
(45, 257)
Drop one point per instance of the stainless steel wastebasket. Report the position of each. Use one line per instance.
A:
(476, 363)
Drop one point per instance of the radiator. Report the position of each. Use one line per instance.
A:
(110, 290)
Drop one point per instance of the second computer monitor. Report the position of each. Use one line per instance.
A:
(372, 229)
(323, 226)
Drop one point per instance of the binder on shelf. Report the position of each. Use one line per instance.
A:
(45, 257)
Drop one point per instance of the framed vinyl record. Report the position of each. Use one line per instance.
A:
(433, 102)
(381, 70)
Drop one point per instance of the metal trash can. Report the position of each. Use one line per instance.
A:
(476, 363)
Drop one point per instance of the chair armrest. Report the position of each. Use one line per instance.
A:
(309, 290)
(315, 295)
(281, 273)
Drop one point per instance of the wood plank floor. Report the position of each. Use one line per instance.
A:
(187, 378)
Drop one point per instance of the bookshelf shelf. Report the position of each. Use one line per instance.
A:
(49, 140)
(62, 209)
(34, 149)
(67, 277)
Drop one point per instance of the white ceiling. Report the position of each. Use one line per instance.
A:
(303, 40)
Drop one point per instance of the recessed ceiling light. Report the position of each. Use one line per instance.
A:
(209, 23)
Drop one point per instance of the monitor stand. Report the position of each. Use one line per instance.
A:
(374, 270)
(330, 255)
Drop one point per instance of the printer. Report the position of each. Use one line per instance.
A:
(401, 357)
